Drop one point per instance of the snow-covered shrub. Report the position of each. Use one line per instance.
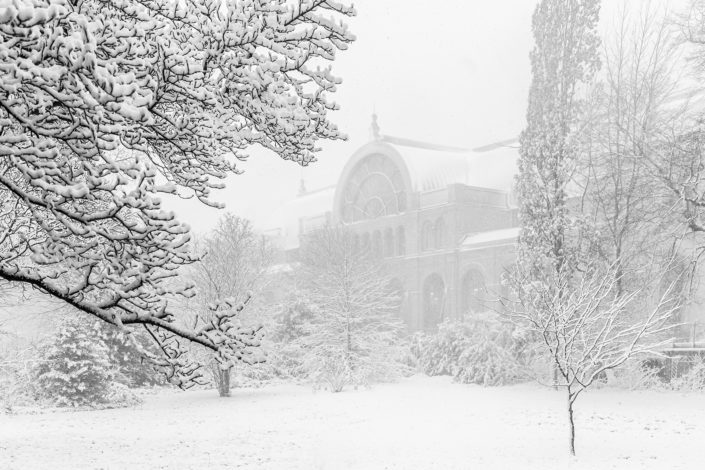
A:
(74, 369)
(15, 383)
(480, 350)
(637, 374)
(121, 395)
(439, 353)
(693, 379)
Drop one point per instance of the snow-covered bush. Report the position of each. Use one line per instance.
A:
(121, 395)
(15, 383)
(637, 374)
(480, 350)
(693, 379)
(74, 368)
(438, 353)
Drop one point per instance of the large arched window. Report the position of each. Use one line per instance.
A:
(366, 245)
(374, 189)
(401, 241)
(439, 233)
(426, 236)
(473, 292)
(433, 302)
(389, 242)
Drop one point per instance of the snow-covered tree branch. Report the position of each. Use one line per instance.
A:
(585, 326)
(106, 105)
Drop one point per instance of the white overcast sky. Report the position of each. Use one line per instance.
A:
(452, 72)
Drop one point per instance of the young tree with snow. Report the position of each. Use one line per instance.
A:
(233, 267)
(107, 104)
(563, 60)
(583, 326)
(352, 335)
(75, 369)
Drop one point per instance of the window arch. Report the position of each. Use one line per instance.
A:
(366, 244)
(426, 236)
(473, 292)
(439, 233)
(375, 188)
(401, 241)
(389, 242)
(433, 301)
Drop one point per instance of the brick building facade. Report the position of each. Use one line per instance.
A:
(441, 218)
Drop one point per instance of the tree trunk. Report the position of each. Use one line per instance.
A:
(224, 382)
(571, 424)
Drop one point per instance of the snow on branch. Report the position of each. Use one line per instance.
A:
(105, 105)
(587, 327)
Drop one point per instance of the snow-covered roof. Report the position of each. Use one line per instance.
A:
(491, 238)
(433, 167)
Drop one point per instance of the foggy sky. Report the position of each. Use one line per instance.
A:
(451, 72)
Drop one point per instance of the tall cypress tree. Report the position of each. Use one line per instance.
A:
(565, 56)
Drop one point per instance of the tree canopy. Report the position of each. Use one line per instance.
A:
(107, 104)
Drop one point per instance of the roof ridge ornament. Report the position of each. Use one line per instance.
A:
(374, 128)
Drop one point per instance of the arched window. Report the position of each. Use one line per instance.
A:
(473, 292)
(356, 243)
(389, 242)
(433, 302)
(374, 189)
(426, 236)
(366, 245)
(439, 233)
(401, 241)
(377, 244)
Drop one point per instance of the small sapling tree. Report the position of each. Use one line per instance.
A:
(586, 327)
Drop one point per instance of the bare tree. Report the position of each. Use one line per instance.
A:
(583, 329)
(628, 214)
(121, 101)
(233, 267)
(352, 335)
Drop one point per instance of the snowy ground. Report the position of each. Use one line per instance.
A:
(420, 423)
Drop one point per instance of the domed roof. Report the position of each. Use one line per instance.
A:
(422, 167)
(427, 167)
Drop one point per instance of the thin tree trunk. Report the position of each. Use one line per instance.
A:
(571, 423)
(224, 382)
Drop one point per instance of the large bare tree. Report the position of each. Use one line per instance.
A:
(629, 216)
(107, 104)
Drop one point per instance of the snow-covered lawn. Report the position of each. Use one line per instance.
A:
(419, 423)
